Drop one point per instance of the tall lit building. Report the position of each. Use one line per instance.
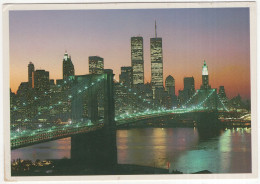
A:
(126, 76)
(156, 62)
(170, 85)
(205, 77)
(206, 92)
(137, 60)
(96, 65)
(68, 67)
(30, 75)
(41, 81)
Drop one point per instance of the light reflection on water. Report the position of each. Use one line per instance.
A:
(50, 150)
(230, 152)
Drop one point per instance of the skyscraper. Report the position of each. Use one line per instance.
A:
(188, 91)
(41, 81)
(205, 77)
(126, 76)
(137, 60)
(96, 65)
(221, 92)
(68, 67)
(205, 90)
(170, 85)
(30, 75)
(222, 95)
(189, 84)
(156, 62)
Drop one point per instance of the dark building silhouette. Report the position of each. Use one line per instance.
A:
(221, 92)
(30, 75)
(126, 76)
(156, 62)
(222, 96)
(41, 81)
(188, 90)
(189, 85)
(23, 100)
(52, 82)
(170, 85)
(96, 65)
(137, 60)
(237, 103)
(171, 99)
(68, 67)
(23, 89)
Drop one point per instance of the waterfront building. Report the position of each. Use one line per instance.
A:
(96, 65)
(236, 103)
(68, 67)
(137, 60)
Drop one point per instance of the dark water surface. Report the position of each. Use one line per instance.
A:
(180, 148)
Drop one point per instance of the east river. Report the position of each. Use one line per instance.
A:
(183, 149)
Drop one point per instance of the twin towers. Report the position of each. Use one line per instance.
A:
(137, 61)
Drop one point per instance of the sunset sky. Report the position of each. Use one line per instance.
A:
(220, 36)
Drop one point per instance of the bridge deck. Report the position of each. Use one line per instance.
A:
(45, 136)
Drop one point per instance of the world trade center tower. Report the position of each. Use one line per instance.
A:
(137, 60)
(156, 62)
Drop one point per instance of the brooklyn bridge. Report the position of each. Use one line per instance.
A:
(93, 137)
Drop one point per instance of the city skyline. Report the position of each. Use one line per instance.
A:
(234, 49)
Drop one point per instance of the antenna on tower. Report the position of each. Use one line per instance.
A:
(155, 30)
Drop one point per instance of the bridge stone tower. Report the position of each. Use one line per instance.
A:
(97, 149)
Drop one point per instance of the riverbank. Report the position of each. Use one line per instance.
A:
(64, 167)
